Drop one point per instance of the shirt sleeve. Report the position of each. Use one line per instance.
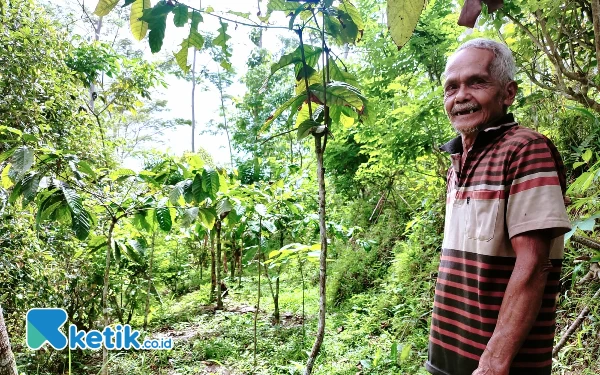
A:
(537, 184)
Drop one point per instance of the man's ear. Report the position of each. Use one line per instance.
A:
(510, 92)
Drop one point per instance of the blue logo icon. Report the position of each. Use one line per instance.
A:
(43, 326)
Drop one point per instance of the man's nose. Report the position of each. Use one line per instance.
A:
(462, 94)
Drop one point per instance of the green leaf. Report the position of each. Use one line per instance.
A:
(341, 94)
(196, 39)
(338, 74)
(402, 18)
(197, 191)
(196, 19)
(223, 206)
(180, 17)
(208, 217)
(294, 103)
(305, 128)
(311, 55)
(406, 349)
(7, 154)
(29, 187)
(156, 36)
(181, 57)
(348, 8)
(222, 38)
(163, 216)
(80, 219)
(123, 172)
(138, 27)
(210, 182)
(22, 160)
(87, 169)
(104, 7)
(587, 155)
(240, 14)
(189, 216)
(157, 23)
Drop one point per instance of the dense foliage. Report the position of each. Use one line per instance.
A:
(232, 260)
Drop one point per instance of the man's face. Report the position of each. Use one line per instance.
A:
(472, 96)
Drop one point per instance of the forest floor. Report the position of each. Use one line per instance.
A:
(221, 342)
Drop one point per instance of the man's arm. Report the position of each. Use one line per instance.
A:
(521, 303)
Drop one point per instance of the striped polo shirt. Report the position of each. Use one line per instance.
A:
(512, 181)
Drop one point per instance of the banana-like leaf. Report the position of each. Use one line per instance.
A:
(104, 7)
(138, 27)
(402, 18)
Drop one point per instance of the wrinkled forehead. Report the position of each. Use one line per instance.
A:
(469, 61)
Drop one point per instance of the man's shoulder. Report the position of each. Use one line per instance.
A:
(520, 136)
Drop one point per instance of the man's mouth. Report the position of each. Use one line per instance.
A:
(467, 111)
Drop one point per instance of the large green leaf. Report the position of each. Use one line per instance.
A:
(311, 55)
(196, 39)
(197, 191)
(29, 187)
(208, 217)
(138, 27)
(181, 57)
(337, 73)
(222, 38)
(348, 8)
(305, 128)
(402, 18)
(180, 17)
(163, 216)
(189, 216)
(22, 160)
(80, 219)
(104, 7)
(294, 103)
(210, 182)
(157, 23)
(340, 93)
(223, 206)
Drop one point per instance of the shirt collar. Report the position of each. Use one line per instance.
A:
(498, 127)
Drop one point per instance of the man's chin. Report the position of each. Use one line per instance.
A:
(466, 129)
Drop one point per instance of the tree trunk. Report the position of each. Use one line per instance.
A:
(8, 365)
(149, 281)
(219, 289)
(240, 262)
(213, 274)
(194, 101)
(105, 314)
(323, 260)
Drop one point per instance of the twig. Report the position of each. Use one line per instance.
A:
(576, 324)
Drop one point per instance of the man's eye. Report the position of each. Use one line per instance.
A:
(448, 90)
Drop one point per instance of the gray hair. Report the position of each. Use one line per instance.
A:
(502, 66)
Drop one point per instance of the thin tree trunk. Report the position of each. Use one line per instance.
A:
(213, 274)
(258, 297)
(596, 22)
(218, 270)
(194, 101)
(224, 117)
(149, 281)
(8, 365)
(105, 291)
(320, 144)
(240, 261)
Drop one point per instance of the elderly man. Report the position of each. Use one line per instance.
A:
(501, 257)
